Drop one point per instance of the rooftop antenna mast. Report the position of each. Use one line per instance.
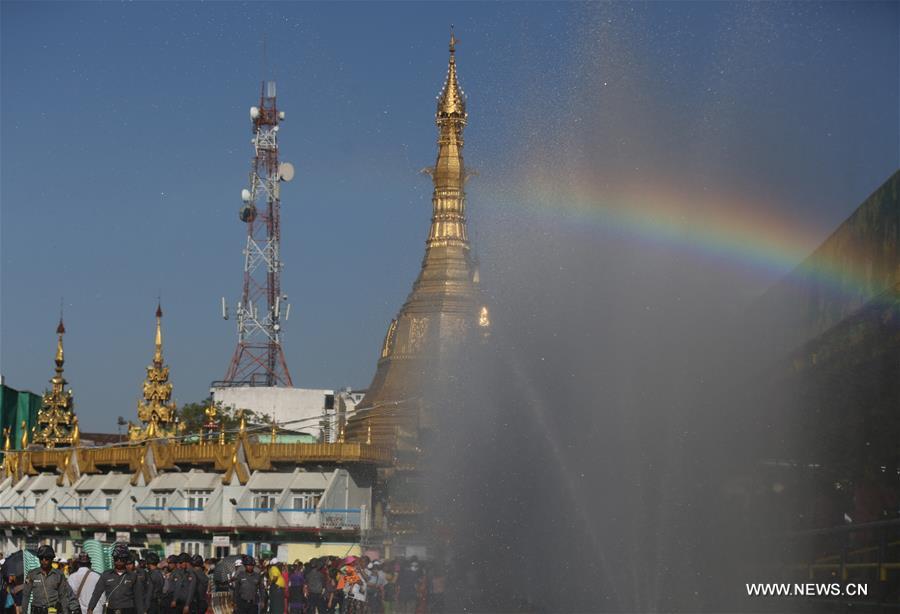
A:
(258, 359)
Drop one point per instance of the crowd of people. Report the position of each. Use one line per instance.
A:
(190, 584)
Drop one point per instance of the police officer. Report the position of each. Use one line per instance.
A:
(47, 587)
(202, 586)
(124, 595)
(184, 582)
(248, 588)
(155, 584)
(169, 585)
(139, 568)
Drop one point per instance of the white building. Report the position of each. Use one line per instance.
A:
(320, 412)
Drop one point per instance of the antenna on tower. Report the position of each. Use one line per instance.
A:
(265, 59)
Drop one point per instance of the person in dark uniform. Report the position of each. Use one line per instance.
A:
(47, 588)
(200, 601)
(143, 579)
(184, 583)
(168, 594)
(248, 588)
(124, 595)
(155, 584)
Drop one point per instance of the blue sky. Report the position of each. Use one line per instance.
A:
(125, 144)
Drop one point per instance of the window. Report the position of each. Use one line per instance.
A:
(305, 499)
(265, 500)
(81, 501)
(192, 547)
(160, 500)
(197, 499)
(109, 495)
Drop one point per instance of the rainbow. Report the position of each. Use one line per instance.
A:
(728, 230)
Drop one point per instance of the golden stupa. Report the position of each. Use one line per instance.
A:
(156, 411)
(56, 420)
(444, 307)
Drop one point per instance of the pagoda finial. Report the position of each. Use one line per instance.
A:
(451, 101)
(157, 356)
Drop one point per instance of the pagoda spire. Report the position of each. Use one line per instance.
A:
(56, 416)
(444, 307)
(156, 411)
(448, 221)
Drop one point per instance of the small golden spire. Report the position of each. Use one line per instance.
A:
(156, 410)
(76, 432)
(54, 419)
(369, 434)
(24, 435)
(222, 433)
(200, 434)
(274, 431)
(341, 435)
(243, 427)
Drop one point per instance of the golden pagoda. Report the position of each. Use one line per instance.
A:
(444, 306)
(56, 417)
(156, 411)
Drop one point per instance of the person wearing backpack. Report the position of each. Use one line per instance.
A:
(83, 582)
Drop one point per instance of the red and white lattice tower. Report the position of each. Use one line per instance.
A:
(259, 359)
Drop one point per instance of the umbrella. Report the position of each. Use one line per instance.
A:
(15, 564)
(223, 569)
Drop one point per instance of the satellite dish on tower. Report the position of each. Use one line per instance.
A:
(285, 171)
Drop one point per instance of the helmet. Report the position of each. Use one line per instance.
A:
(197, 560)
(121, 552)
(152, 558)
(248, 560)
(46, 552)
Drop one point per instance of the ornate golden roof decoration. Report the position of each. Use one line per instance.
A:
(484, 318)
(156, 411)
(56, 416)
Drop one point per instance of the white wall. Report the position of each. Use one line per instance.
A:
(285, 405)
